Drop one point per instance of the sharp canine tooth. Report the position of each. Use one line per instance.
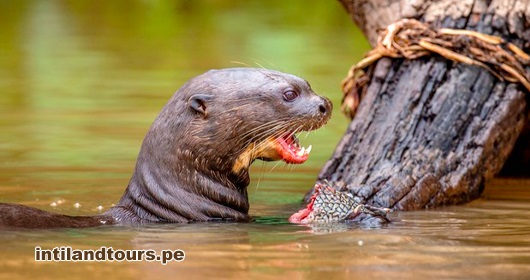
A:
(308, 150)
(300, 152)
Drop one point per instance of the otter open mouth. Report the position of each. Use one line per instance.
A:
(286, 148)
(289, 149)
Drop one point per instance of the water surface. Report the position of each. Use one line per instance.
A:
(80, 83)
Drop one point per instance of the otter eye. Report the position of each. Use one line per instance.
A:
(290, 95)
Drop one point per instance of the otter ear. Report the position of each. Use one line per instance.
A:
(198, 103)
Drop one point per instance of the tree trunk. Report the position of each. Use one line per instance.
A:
(430, 131)
(518, 164)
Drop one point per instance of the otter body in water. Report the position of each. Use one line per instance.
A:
(193, 163)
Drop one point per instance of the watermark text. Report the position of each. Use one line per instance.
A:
(67, 254)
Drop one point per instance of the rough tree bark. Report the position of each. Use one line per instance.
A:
(430, 131)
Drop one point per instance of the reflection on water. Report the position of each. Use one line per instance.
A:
(485, 239)
(81, 81)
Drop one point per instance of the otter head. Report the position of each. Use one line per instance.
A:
(235, 116)
(194, 160)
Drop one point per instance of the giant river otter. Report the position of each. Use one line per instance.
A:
(194, 161)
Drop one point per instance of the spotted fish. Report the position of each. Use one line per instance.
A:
(329, 205)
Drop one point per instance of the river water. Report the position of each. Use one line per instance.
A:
(80, 83)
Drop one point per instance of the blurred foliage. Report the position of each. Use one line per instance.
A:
(81, 80)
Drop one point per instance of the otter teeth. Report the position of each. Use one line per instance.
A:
(302, 152)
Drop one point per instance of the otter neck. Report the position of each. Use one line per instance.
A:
(183, 193)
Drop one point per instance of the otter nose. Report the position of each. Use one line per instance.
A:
(325, 107)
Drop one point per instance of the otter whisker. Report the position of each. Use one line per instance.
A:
(262, 174)
(261, 144)
(272, 129)
(240, 63)
(276, 128)
(261, 66)
(275, 131)
(257, 131)
(266, 127)
(275, 165)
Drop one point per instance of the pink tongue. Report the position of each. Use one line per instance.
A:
(288, 152)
